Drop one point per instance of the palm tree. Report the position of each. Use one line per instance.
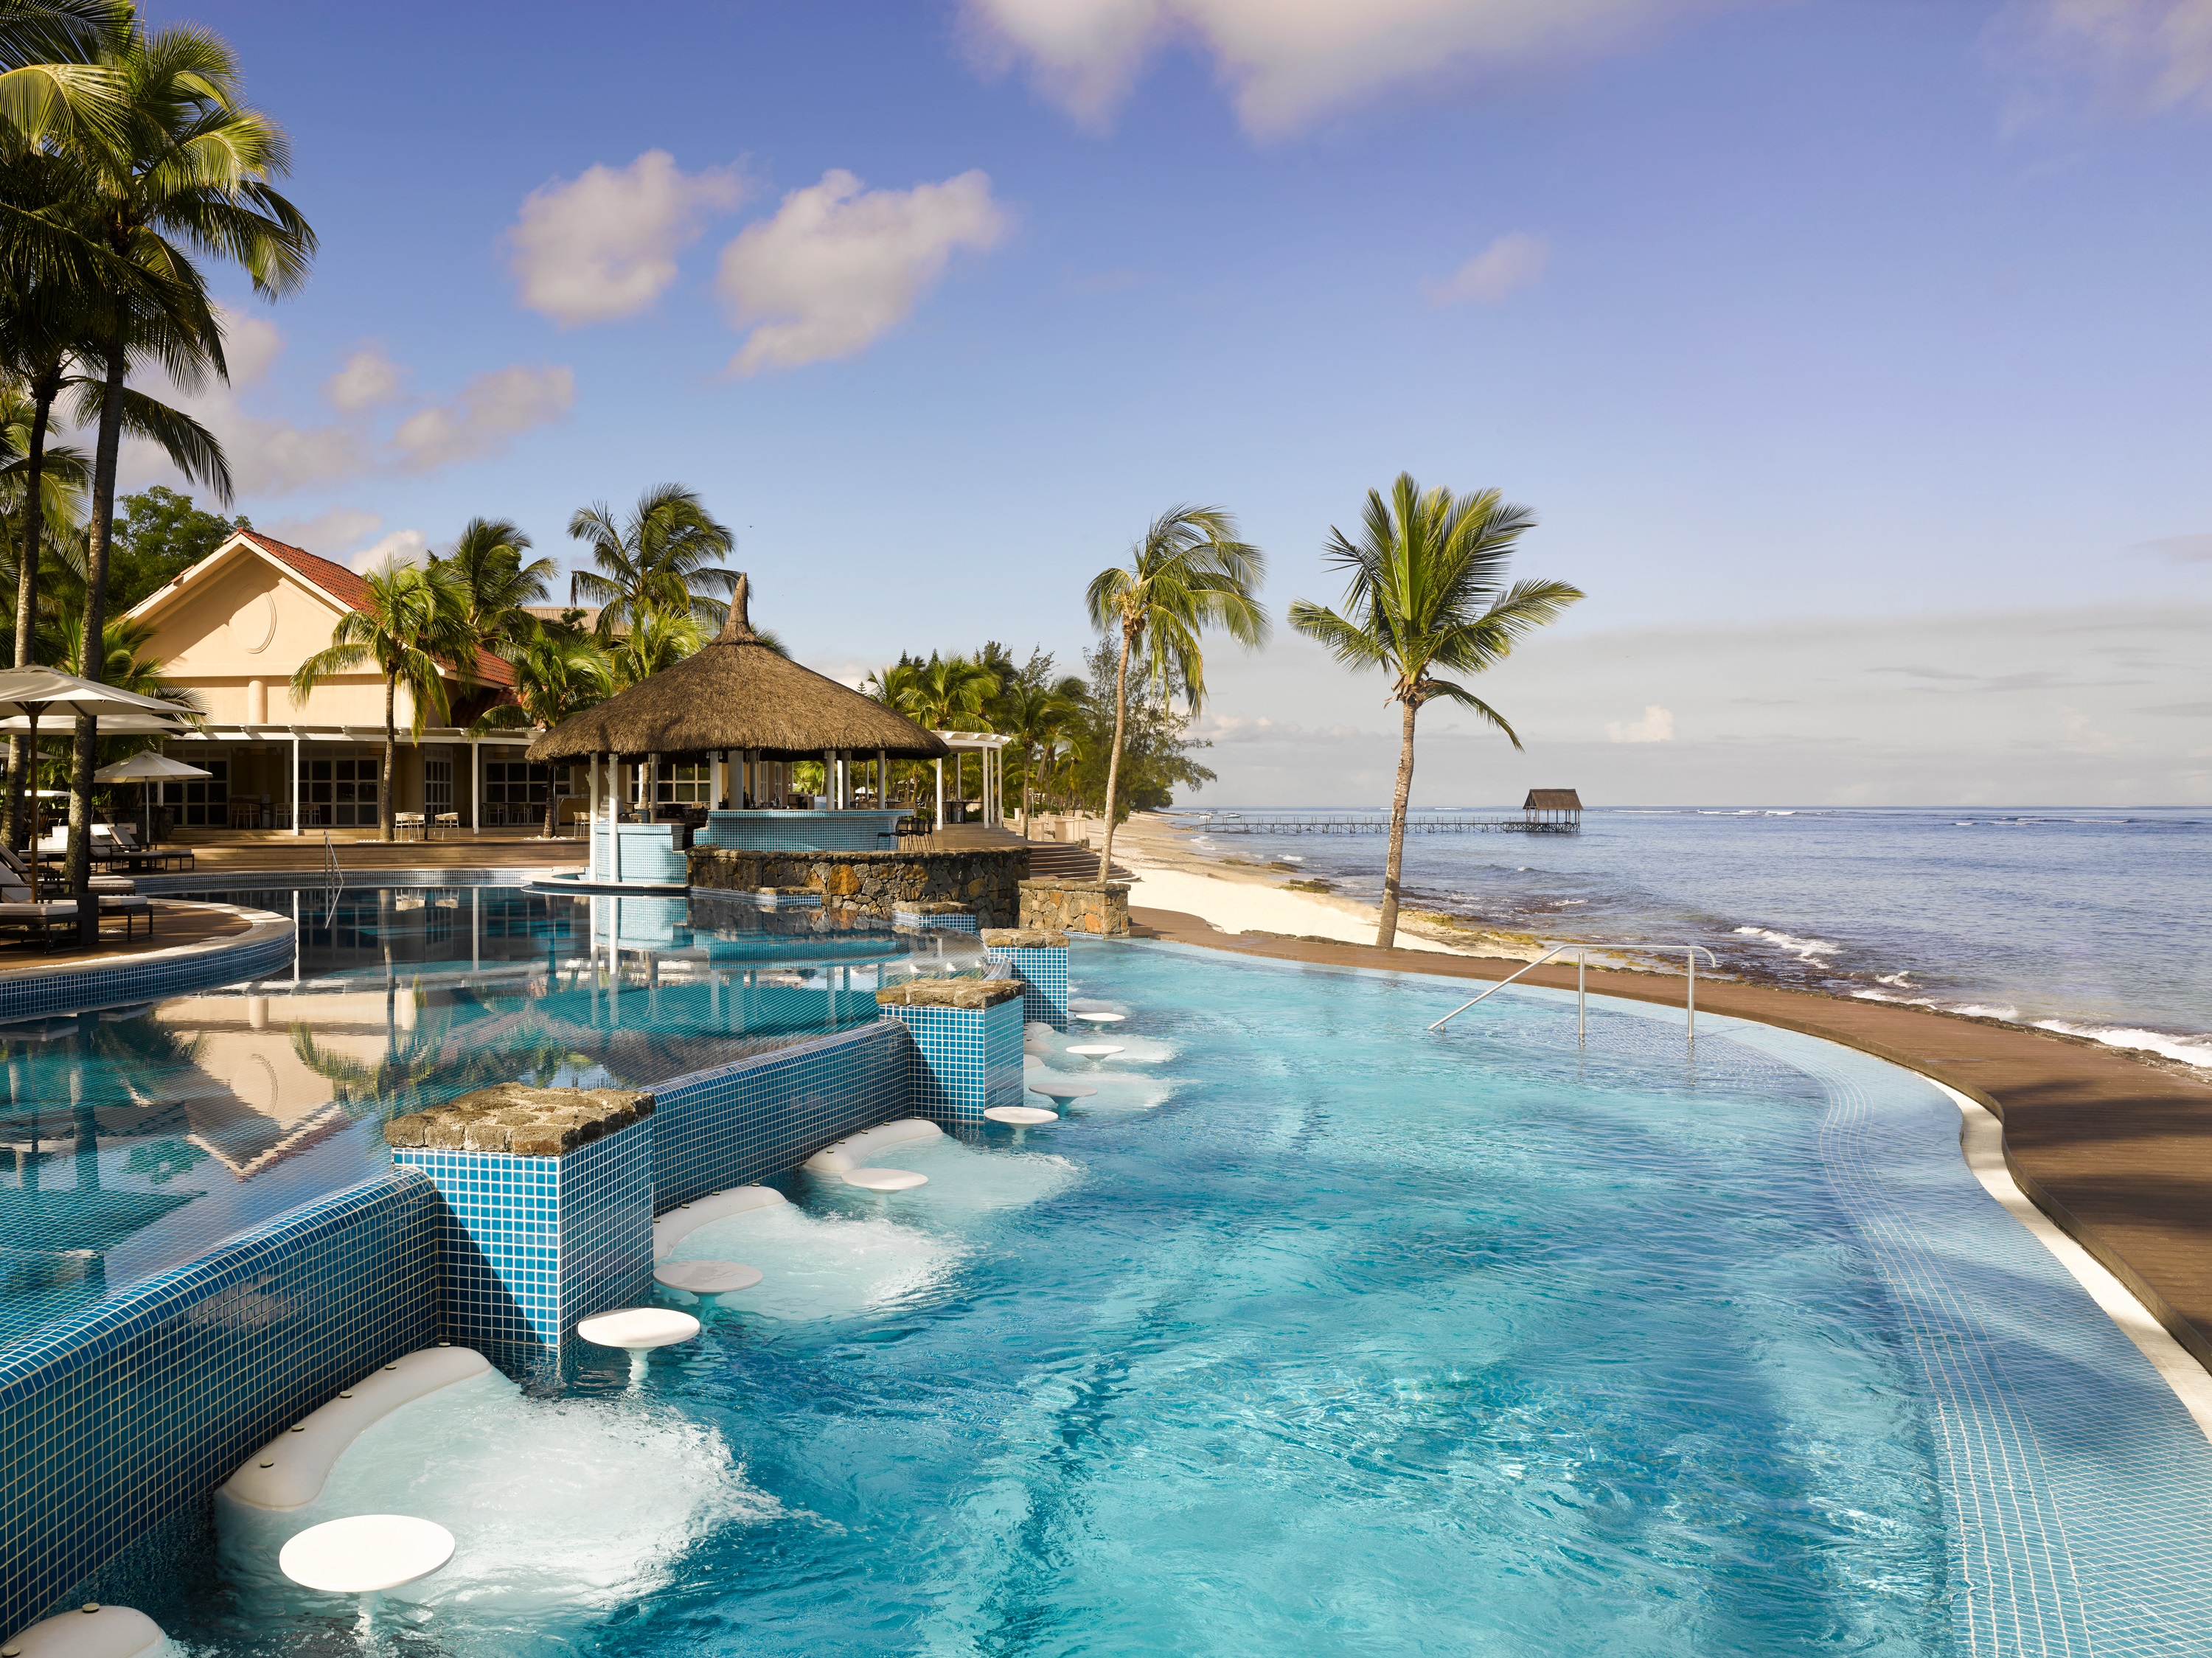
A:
(655, 639)
(496, 583)
(557, 672)
(1037, 713)
(409, 625)
(1427, 588)
(184, 171)
(946, 693)
(667, 555)
(1188, 573)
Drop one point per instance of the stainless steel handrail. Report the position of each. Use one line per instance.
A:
(1690, 954)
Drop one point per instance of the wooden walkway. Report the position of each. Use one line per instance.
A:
(2115, 1151)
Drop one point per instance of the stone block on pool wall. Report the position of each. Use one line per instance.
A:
(968, 1044)
(549, 1202)
(1061, 906)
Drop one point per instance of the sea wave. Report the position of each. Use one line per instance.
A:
(2190, 1050)
(1805, 949)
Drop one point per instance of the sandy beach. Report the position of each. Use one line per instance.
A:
(1249, 895)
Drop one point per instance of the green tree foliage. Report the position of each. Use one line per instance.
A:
(558, 671)
(159, 534)
(667, 555)
(1156, 745)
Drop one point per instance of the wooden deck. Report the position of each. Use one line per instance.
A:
(2115, 1150)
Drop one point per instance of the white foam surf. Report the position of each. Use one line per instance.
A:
(1805, 949)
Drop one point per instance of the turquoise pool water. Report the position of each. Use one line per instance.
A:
(131, 1139)
(1307, 1333)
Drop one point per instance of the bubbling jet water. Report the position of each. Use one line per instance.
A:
(553, 1504)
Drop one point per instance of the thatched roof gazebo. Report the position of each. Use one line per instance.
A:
(737, 695)
(745, 711)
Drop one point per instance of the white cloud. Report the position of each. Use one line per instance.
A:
(491, 410)
(603, 244)
(2148, 54)
(1513, 261)
(369, 378)
(400, 546)
(838, 267)
(1657, 725)
(329, 532)
(1290, 60)
(270, 456)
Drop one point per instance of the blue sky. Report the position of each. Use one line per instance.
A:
(1871, 327)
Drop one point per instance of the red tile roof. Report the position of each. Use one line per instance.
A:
(351, 591)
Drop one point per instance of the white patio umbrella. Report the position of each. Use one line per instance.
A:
(32, 692)
(144, 769)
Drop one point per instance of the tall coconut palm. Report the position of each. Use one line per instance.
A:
(1426, 588)
(409, 625)
(667, 555)
(1188, 572)
(557, 672)
(186, 170)
(946, 693)
(496, 582)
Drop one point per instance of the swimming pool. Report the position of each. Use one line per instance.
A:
(135, 1137)
(1311, 1332)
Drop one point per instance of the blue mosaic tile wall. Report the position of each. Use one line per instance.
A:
(113, 1422)
(741, 1123)
(24, 995)
(965, 1059)
(1043, 973)
(962, 921)
(606, 1223)
(649, 855)
(530, 1245)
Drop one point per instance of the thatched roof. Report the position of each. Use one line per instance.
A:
(737, 694)
(1552, 800)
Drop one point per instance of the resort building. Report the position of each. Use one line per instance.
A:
(236, 626)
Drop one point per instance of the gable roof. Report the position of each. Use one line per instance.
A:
(343, 587)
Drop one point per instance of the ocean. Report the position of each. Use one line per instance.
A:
(2089, 922)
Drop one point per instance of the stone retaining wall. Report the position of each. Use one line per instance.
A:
(988, 882)
(1097, 906)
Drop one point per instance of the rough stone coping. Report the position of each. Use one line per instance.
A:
(520, 1120)
(950, 993)
(1024, 938)
(930, 907)
(787, 892)
(1063, 883)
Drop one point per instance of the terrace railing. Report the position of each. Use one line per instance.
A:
(1580, 952)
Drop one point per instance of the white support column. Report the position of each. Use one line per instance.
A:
(295, 783)
(592, 827)
(652, 788)
(476, 787)
(940, 795)
(614, 866)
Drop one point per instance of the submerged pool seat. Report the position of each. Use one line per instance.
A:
(847, 1158)
(289, 1472)
(89, 1632)
(672, 1226)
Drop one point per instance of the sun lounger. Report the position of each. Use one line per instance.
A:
(41, 922)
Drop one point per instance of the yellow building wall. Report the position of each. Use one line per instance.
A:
(237, 632)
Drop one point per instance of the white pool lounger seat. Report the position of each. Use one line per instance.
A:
(93, 1631)
(855, 1150)
(672, 1227)
(366, 1553)
(290, 1470)
(882, 1179)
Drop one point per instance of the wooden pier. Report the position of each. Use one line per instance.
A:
(1546, 811)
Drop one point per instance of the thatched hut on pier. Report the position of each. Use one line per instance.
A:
(1561, 806)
